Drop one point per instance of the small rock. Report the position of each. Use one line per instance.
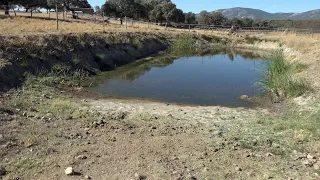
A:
(218, 133)
(244, 97)
(308, 163)
(25, 114)
(238, 169)
(191, 177)
(139, 177)
(86, 129)
(206, 169)
(2, 171)
(269, 154)
(87, 177)
(69, 171)
(310, 157)
(81, 157)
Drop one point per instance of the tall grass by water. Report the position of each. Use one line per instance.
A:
(183, 45)
(279, 80)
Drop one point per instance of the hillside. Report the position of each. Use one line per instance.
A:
(239, 12)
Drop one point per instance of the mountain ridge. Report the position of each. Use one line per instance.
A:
(240, 12)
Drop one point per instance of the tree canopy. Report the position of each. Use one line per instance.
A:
(31, 4)
(154, 10)
(213, 18)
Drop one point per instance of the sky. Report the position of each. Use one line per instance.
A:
(267, 5)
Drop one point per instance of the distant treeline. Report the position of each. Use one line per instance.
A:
(165, 11)
(159, 11)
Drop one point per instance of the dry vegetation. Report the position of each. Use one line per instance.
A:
(24, 25)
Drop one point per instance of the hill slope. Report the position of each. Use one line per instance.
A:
(239, 12)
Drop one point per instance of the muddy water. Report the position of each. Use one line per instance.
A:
(214, 79)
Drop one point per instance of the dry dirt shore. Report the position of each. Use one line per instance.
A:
(133, 139)
(106, 138)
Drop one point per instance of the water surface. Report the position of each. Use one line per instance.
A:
(217, 79)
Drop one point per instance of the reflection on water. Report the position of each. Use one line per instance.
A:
(212, 78)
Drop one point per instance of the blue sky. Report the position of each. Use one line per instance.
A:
(266, 5)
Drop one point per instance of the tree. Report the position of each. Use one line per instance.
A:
(68, 4)
(98, 10)
(109, 9)
(247, 22)
(168, 10)
(157, 14)
(217, 18)
(156, 10)
(204, 18)
(190, 18)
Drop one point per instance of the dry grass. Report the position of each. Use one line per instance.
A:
(24, 25)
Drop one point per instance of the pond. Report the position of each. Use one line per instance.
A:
(218, 78)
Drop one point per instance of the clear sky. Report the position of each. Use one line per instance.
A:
(266, 5)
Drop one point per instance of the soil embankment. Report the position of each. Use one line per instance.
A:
(92, 53)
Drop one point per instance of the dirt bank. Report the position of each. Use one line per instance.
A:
(90, 52)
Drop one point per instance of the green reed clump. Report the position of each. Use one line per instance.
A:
(278, 78)
(184, 45)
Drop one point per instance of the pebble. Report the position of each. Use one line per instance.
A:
(243, 97)
(87, 177)
(310, 157)
(238, 169)
(308, 163)
(2, 171)
(191, 177)
(269, 154)
(69, 171)
(81, 157)
(139, 177)
(25, 114)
